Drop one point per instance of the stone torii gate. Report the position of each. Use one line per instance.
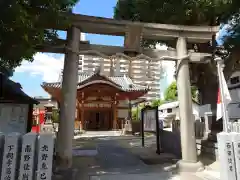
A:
(133, 32)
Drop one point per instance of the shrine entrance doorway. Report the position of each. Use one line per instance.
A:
(99, 120)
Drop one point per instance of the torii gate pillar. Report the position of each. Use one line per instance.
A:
(189, 160)
(68, 99)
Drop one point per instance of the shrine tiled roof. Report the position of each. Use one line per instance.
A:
(124, 82)
(12, 91)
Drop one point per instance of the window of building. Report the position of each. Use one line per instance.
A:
(234, 80)
(169, 110)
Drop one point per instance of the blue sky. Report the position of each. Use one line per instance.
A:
(46, 67)
(31, 75)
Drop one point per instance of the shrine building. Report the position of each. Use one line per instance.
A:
(102, 101)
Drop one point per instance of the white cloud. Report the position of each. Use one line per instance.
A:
(45, 65)
(161, 47)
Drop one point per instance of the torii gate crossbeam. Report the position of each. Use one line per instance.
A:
(133, 32)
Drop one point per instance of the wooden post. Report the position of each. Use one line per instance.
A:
(78, 118)
(82, 113)
(114, 117)
(82, 118)
(116, 112)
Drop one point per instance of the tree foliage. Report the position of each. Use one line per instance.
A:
(191, 12)
(157, 102)
(183, 12)
(23, 27)
(232, 40)
(172, 95)
(55, 116)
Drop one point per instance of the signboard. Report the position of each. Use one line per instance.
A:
(150, 120)
(10, 155)
(97, 105)
(13, 118)
(150, 123)
(27, 157)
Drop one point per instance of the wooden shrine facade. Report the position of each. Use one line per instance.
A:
(101, 101)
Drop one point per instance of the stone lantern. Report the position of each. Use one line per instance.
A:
(48, 112)
(48, 124)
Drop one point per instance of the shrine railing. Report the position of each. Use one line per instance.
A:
(26, 157)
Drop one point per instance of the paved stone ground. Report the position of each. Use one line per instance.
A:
(111, 155)
(116, 159)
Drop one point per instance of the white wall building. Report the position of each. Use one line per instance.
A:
(141, 71)
(172, 109)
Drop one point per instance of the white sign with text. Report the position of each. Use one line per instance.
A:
(1, 147)
(226, 156)
(45, 156)
(236, 145)
(27, 157)
(150, 120)
(10, 155)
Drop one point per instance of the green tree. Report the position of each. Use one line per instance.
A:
(55, 116)
(191, 12)
(157, 102)
(172, 95)
(135, 114)
(23, 27)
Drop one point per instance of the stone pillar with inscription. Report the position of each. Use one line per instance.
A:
(1, 147)
(10, 155)
(27, 157)
(189, 160)
(68, 99)
(45, 156)
(226, 156)
(236, 147)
